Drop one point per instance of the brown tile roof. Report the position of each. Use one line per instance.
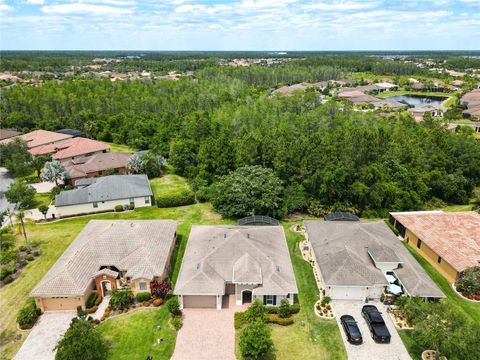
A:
(6, 134)
(40, 137)
(98, 162)
(71, 148)
(455, 236)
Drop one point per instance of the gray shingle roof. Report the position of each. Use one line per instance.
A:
(245, 254)
(342, 252)
(139, 247)
(114, 187)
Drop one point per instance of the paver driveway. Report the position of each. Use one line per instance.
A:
(44, 336)
(207, 334)
(369, 350)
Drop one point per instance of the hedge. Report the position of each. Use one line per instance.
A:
(143, 296)
(239, 320)
(28, 315)
(273, 319)
(91, 302)
(119, 208)
(172, 200)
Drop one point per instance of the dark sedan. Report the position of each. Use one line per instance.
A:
(354, 336)
(375, 323)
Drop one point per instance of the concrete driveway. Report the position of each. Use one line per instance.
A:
(44, 336)
(207, 334)
(369, 349)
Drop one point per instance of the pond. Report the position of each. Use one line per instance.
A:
(419, 100)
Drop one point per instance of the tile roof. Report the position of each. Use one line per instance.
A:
(342, 250)
(70, 148)
(113, 187)
(7, 134)
(40, 137)
(455, 236)
(139, 247)
(97, 162)
(247, 254)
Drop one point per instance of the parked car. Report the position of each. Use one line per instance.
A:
(375, 323)
(354, 336)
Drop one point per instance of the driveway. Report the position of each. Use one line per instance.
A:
(207, 334)
(44, 336)
(369, 349)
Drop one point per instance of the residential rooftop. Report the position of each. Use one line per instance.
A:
(7, 134)
(71, 148)
(40, 137)
(95, 163)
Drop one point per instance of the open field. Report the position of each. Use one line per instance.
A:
(169, 184)
(119, 147)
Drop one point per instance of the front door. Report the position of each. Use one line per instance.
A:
(246, 297)
(106, 287)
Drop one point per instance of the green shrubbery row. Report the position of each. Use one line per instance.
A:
(28, 315)
(186, 197)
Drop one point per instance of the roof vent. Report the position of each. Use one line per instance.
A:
(225, 235)
(248, 236)
(198, 266)
(278, 268)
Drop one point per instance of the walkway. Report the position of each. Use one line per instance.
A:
(101, 308)
(208, 334)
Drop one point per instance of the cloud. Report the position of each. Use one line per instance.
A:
(35, 2)
(82, 8)
(4, 8)
(341, 5)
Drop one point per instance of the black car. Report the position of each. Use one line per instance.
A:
(375, 323)
(354, 336)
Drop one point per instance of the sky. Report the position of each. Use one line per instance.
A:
(278, 25)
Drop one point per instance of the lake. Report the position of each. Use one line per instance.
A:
(418, 100)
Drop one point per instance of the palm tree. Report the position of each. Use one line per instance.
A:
(21, 216)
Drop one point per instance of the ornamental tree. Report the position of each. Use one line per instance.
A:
(54, 171)
(255, 340)
(21, 195)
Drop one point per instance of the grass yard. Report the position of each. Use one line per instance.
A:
(169, 185)
(54, 238)
(134, 336)
(119, 147)
(42, 199)
(470, 309)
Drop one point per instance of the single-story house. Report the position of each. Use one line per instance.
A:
(419, 111)
(472, 112)
(96, 165)
(417, 86)
(289, 90)
(104, 193)
(71, 148)
(39, 138)
(106, 255)
(249, 262)
(355, 261)
(7, 134)
(385, 86)
(449, 241)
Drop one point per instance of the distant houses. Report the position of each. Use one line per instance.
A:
(38, 138)
(472, 100)
(104, 194)
(7, 134)
(72, 148)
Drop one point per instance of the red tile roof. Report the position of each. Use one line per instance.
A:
(71, 148)
(455, 236)
(6, 134)
(40, 137)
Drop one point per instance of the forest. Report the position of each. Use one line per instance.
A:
(327, 156)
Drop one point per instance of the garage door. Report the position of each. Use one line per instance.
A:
(347, 293)
(199, 301)
(50, 304)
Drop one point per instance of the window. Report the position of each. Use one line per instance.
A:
(95, 205)
(142, 286)
(419, 243)
(270, 300)
(132, 201)
(147, 199)
(439, 260)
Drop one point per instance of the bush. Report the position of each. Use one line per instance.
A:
(121, 298)
(23, 248)
(92, 309)
(28, 315)
(7, 279)
(177, 322)
(29, 258)
(131, 206)
(157, 302)
(255, 312)
(173, 306)
(186, 197)
(82, 314)
(119, 208)
(146, 303)
(92, 299)
(295, 308)
(143, 296)
(469, 281)
(160, 288)
(8, 256)
(272, 309)
(6, 271)
(280, 321)
(326, 300)
(255, 340)
(239, 320)
(284, 309)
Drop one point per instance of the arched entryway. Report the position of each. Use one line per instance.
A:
(106, 288)
(246, 296)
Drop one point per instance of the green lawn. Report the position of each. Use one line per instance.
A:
(134, 336)
(470, 309)
(42, 199)
(120, 147)
(168, 185)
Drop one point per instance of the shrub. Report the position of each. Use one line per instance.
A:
(28, 315)
(469, 280)
(29, 258)
(284, 309)
(143, 296)
(160, 288)
(131, 206)
(7, 279)
(255, 312)
(326, 300)
(92, 299)
(255, 340)
(121, 298)
(280, 321)
(146, 303)
(272, 309)
(92, 309)
(295, 308)
(23, 248)
(177, 322)
(6, 271)
(8, 256)
(157, 302)
(173, 306)
(239, 320)
(186, 197)
(119, 208)
(82, 314)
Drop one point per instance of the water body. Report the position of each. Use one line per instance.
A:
(418, 100)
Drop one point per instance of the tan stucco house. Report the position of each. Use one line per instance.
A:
(108, 254)
(449, 241)
(103, 194)
(249, 262)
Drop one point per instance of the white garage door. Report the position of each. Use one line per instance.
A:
(199, 301)
(347, 293)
